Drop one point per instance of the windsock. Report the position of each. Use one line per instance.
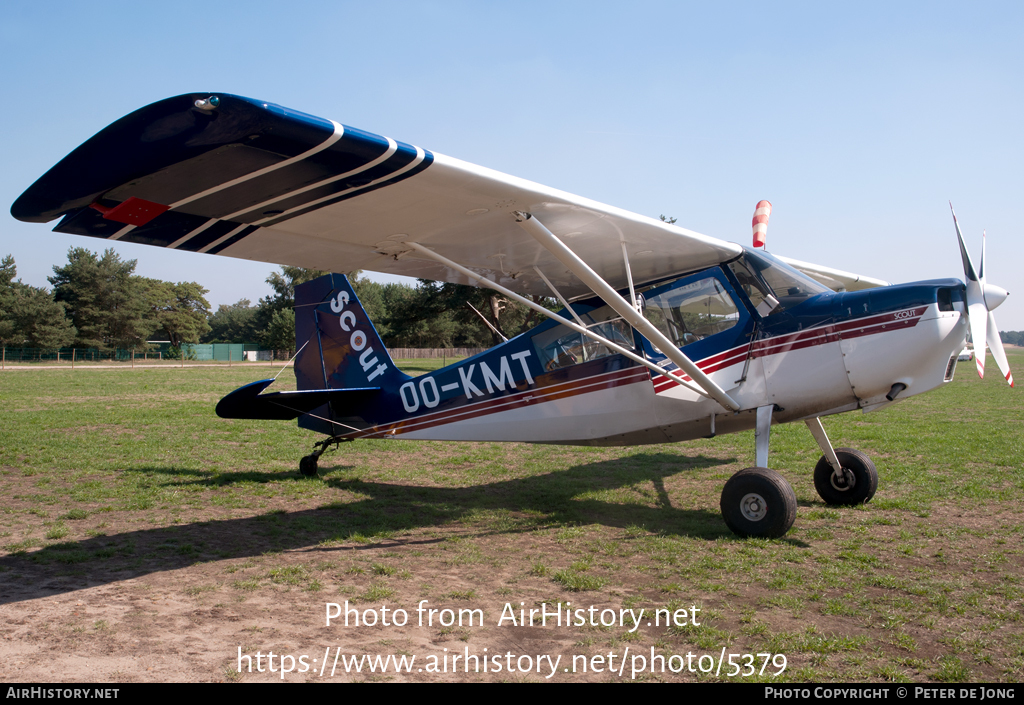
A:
(760, 222)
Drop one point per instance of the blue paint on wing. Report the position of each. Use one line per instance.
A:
(171, 151)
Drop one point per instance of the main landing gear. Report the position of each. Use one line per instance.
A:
(308, 464)
(758, 502)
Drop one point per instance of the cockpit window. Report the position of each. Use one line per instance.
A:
(691, 312)
(757, 291)
(789, 286)
(564, 347)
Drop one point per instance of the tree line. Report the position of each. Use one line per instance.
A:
(97, 301)
(428, 315)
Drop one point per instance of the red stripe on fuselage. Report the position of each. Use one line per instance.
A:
(869, 325)
(528, 397)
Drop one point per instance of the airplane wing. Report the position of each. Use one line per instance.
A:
(835, 279)
(233, 176)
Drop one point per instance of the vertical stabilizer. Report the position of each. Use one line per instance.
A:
(340, 348)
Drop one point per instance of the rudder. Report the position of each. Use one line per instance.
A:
(340, 347)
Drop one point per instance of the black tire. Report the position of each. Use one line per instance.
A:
(861, 478)
(758, 502)
(307, 466)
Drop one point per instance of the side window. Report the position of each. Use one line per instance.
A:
(564, 350)
(562, 347)
(691, 312)
(763, 300)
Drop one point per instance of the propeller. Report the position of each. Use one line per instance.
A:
(982, 299)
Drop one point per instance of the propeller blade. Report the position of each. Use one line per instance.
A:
(977, 315)
(981, 267)
(992, 295)
(995, 344)
(968, 266)
(981, 299)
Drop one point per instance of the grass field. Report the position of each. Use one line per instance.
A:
(143, 538)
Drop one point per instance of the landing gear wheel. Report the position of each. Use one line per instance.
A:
(307, 466)
(856, 485)
(758, 502)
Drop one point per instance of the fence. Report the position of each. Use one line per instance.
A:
(215, 352)
(223, 352)
(76, 355)
(418, 353)
(220, 352)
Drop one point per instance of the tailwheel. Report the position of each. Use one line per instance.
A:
(855, 485)
(307, 466)
(758, 502)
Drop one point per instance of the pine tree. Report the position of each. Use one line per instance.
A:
(41, 321)
(7, 324)
(235, 323)
(180, 310)
(268, 319)
(106, 301)
(29, 317)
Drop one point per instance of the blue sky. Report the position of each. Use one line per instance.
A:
(858, 121)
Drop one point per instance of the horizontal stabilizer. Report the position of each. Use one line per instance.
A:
(247, 402)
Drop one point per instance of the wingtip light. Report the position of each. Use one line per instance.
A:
(208, 103)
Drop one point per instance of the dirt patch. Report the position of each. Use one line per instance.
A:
(203, 601)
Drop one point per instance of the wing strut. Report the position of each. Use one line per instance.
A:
(629, 278)
(583, 330)
(487, 323)
(561, 298)
(611, 297)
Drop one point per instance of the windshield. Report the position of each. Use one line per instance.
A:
(790, 286)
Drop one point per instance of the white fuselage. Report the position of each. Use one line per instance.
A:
(821, 370)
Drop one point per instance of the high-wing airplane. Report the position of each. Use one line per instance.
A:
(665, 334)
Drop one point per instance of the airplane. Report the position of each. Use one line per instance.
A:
(664, 335)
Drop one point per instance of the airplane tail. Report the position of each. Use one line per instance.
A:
(340, 350)
(339, 346)
(341, 365)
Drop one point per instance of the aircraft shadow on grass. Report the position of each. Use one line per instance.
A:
(519, 505)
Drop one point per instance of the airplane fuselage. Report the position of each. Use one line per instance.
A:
(814, 353)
